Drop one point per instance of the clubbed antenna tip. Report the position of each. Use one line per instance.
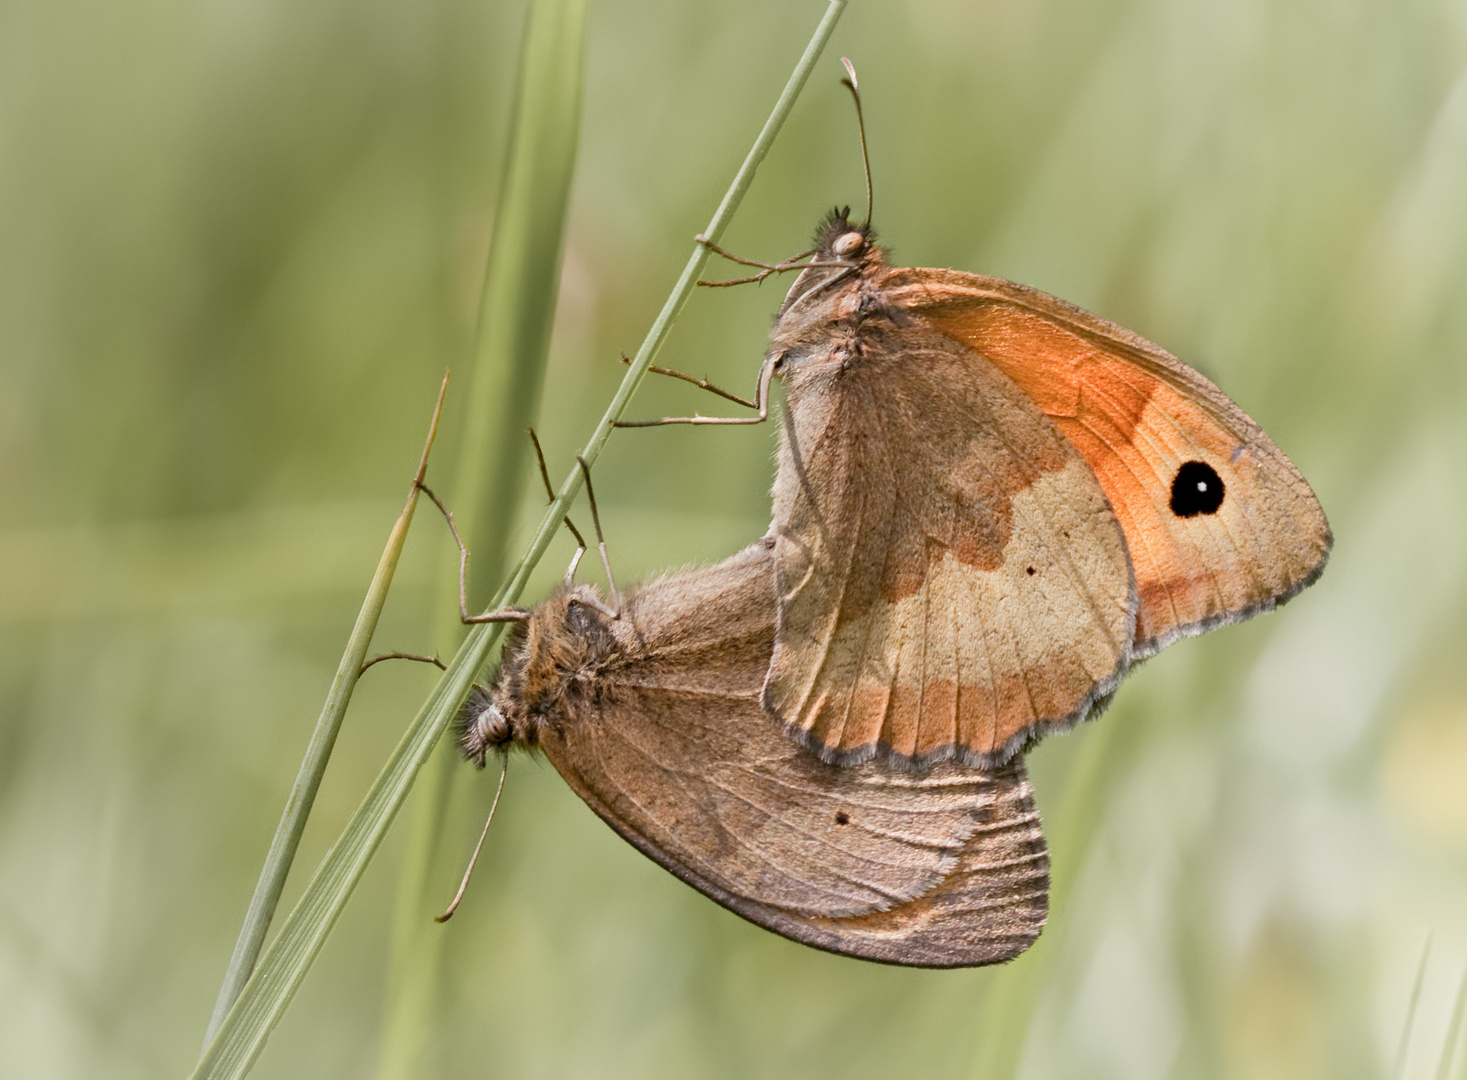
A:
(853, 85)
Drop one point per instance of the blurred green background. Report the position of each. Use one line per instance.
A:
(239, 242)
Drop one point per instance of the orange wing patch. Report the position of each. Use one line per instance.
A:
(1219, 523)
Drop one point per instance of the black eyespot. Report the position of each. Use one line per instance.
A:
(1030, 571)
(842, 818)
(1197, 489)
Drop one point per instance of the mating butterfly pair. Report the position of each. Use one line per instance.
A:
(989, 504)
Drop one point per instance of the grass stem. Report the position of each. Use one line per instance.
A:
(270, 989)
(507, 371)
(313, 765)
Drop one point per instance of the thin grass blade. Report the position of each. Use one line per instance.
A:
(516, 316)
(318, 752)
(1398, 1071)
(1454, 1031)
(265, 997)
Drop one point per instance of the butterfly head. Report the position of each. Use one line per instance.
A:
(545, 660)
(840, 240)
(482, 726)
(843, 252)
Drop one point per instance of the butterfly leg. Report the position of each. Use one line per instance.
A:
(401, 656)
(760, 402)
(550, 498)
(702, 384)
(794, 262)
(508, 614)
(570, 571)
(474, 859)
(615, 611)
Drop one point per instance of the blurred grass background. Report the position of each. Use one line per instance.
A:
(238, 245)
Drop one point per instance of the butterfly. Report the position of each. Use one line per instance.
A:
(651, 714)
(990, 503)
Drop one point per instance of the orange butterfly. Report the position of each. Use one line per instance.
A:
(990, 503)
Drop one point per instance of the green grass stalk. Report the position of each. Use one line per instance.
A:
(1398, 1071)
(292, 824)
(512, 342)
(269, 991)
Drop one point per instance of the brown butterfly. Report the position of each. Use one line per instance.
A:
(989, 503)
(652, 716)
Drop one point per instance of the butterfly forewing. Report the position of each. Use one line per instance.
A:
(951, 578)
(1220, 524)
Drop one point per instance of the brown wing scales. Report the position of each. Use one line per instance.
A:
(950, 577)
(672, 749)
(946, 869)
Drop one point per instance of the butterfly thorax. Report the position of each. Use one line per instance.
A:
(835, 291)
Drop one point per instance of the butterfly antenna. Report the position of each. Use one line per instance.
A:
(474, 859)
(854, 87)
(600, 539)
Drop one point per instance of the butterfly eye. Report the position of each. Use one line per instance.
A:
(484, 727)
(848, 244)
(492, 727)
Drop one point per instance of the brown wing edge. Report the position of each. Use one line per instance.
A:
(1162, 365)
(988, 910)
(1094, 704)
(1145, 650)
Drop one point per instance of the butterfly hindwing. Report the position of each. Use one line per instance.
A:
(670, 746)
